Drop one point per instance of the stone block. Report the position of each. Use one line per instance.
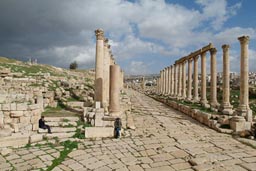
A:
(249, 116)
(27, 113)
(24, 120)
(59, 135)
(34, 106)
(14, 140)
(99, 132)
(35, 127)
(3, 98)
(1, 119)
(97, 105)
(238, 124)
(22, 106)
(99, 117)
(5, 151)
(5, 132)
(13, 106)
(17, 113)
(34, 119)
(35, 138)
(6, 106)
(15, 127)
(75, 104)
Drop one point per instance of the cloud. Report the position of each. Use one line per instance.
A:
(59, 33)
(230, 35)
(138, 67)
(218, 11)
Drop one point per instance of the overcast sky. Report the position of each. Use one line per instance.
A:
(146, 35)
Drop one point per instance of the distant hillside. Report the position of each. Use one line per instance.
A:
(27, 69)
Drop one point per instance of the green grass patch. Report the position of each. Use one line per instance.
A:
(68, 147)
(79, 134)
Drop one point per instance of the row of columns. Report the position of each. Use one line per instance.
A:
(175, 82)
(108, 76)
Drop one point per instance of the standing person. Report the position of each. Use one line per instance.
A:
(118, 127)
(43, 125)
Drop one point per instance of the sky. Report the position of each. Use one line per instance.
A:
(145, 35)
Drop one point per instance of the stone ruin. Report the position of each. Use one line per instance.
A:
(108, 86)
(174, 82)
(24, 98)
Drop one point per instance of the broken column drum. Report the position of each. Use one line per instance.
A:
(114, 104)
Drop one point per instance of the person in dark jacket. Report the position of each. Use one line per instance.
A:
(43, 125)
(118, 127)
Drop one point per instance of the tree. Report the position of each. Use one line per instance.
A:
(73, 65)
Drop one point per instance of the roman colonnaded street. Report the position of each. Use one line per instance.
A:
(164, 139)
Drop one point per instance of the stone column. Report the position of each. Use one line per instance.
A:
(184, 79)
(112, 60)
(213, 101)
(161, 81)
(98, 97)
(157, 86)
(166, 80)
(203, 99)
(114, 104)
(243, 108)
(189, 93)
(121, 79)
(179, 80)
(172, 80)
(195, 95)
(226, 106)
(106, 74)
(175, 80)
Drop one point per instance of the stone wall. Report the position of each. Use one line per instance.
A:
(20, 112)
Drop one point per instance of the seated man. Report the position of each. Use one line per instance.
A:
(43, 125)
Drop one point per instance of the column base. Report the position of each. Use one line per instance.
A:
(195, 99)
(189, 98)
(215, 105)
(115, 113)
(204, 102)
(226, 109)
(247, 113)
(238, 123)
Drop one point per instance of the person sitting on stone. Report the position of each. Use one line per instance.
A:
(253, 130)
(118, 127)
(43, 125)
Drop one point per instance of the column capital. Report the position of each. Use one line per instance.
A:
(190, 59)
(244, 39)
(99, 34)
(203, 53)
(213, 51)
(225, 47)
(195, 57)
(106, 42)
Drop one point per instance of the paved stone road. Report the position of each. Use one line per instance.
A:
(164, 140)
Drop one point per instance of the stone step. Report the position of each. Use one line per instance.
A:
(58, 130)
(59, 135)
(15, 140)
(61, 124)
(5, 132)
(61, 119)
